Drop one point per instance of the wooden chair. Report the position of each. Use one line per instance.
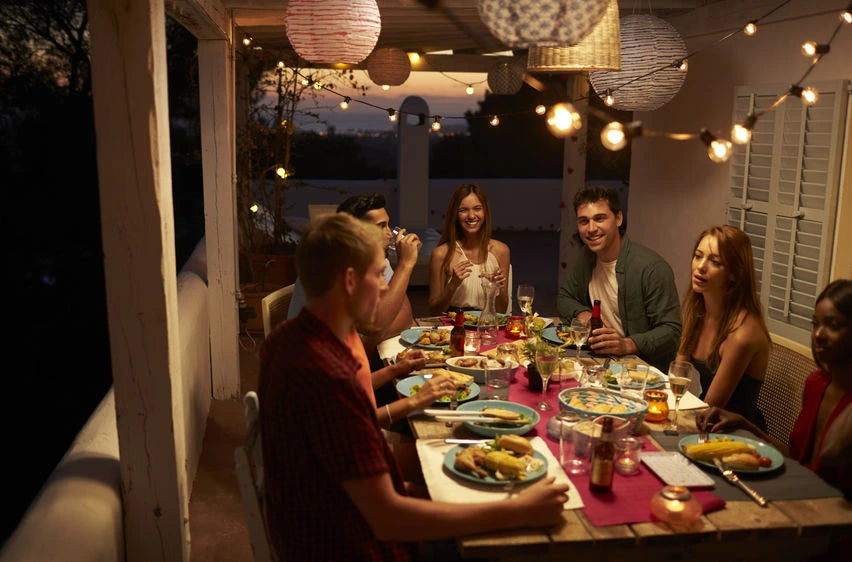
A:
(780, 398)
(249, 461)
(274, 308)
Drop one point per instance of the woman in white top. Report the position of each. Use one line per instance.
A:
(465, 252)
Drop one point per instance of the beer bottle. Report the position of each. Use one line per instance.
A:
(603, 460)
(457, 335)
(595, 322)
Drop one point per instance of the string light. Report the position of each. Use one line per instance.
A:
(414, 57)
(318, 85)
(392, 115)
(741, 132)
(345, 103)
(808, 95)
(682, 65)
(436, 124)
(305, 81)
(563, 119)
(750, 28)
(846, 15)
(615, 135)
(494, 121)
(282, 172)
(247, 40)
(811, 48)
(469, 90)
(253, 208)
(609, 100)
(385, 87)
(540, 109)
(718, 150)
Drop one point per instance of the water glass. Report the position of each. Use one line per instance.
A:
(394, 233)
(577, 457)
(593, 375)
(497, 383)
(472, 342)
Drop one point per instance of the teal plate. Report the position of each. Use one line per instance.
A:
(765, 450)
(532, 476)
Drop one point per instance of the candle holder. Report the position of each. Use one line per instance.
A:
(514, 327)
(675, 505)
(658, 406)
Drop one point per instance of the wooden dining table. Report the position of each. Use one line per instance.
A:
(791, 529)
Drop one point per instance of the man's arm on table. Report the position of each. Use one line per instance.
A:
(573, 297)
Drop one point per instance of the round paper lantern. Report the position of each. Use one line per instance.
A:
(388, 66)
(333, 31)
(648, 44)
(507, 77)
(540, 23)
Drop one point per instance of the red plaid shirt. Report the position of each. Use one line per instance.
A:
(319, 429)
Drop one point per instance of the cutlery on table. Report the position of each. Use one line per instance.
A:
(732, 477)
(450, 441)
(449, 418)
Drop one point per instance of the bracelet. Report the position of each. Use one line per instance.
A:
(390, 418)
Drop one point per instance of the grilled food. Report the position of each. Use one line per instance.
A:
(742, 460)
(720, 448)
(515, 443)
(502, 413)
(471, 459)
(459, 379)
(505, 466)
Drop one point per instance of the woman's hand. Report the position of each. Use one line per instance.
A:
(435, 388)
(715, 419)
(498, 277)
(460, 271)
(412, 362)
(541, 504)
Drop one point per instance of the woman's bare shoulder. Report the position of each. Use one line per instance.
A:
(499, 249)
(749, 333)
(440, 252)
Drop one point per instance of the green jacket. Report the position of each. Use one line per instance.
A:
(647, 300)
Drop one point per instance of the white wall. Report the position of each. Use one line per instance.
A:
(675, 190)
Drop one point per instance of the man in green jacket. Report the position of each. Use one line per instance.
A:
(639, 300)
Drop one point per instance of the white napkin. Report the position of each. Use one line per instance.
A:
(389, 348)
(688, 401)
(443, 487)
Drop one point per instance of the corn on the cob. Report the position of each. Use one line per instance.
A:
(506, 464)
(716, 448)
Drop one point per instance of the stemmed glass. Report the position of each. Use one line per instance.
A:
(579, 333)
(526, 294)
(546, 359)
(680, 377)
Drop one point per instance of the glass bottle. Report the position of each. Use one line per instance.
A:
(457, 335)
(603, 460)
(487, 324)
(595, 322)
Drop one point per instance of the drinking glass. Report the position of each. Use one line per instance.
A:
(579, 333)
(526, 294)
(680, 377)
(632, 379)
(546, 359)
(472, 342)
(581, 449)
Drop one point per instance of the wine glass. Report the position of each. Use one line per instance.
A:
(526, 294)
(680, 377)
(579, 333)
(546, 359)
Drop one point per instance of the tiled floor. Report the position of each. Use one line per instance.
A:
(217, 525)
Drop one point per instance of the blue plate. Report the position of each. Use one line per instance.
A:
(501, 319)
(549, 334)
(532, 476)
(404, 388)
(493, 429)
(412, 335)
(765, 450)
(617, 367)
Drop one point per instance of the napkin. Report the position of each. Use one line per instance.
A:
(688, 401)
(443, 487)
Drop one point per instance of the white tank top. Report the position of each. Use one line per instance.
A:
(470, 293)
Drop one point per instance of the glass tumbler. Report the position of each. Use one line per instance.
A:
(627, 461)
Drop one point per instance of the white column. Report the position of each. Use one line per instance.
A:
(413, 168)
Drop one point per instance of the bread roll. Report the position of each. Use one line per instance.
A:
(742, 460)
(515, 443)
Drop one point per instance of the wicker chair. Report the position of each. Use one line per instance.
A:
(780, 397)
(274, 307)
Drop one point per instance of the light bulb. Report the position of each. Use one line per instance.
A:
(414, 57)
(494, 121)
(609, 100)
(385, 87)
(436, 124)
(810, 96)
(281, 64)
(846, 16)
(282, 173)
(318, 85)
(740, 134)
(613, 136)
(540, 109)
(253, 208)
(345, 103)
(809, 48)
(750, 28)
(247, 40)
(563, 119)
(392, 115)
(719, 150)
(305, 82)
(683, 66)
(469, 90)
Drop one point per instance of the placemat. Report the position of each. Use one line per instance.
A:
(790, 482)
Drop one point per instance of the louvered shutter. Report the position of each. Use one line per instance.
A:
(784, 186)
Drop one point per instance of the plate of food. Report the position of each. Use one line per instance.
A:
(560, 337)
(471, 318)
(502, 409)
(465, 391)
(655, 377)
(427, 338)
(434, 357)
(475, 365)
(741, 454)
(506, 459)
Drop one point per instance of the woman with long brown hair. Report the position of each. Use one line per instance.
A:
(724, 333)
(465, 253)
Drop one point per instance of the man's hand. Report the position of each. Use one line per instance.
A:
(607, 341)
(584, 316)
(407, 248)
(408, 364)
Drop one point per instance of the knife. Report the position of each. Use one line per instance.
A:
(732, 477)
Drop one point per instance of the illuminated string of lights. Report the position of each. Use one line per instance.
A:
(469, 90)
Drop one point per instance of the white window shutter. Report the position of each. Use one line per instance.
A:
(784, 186)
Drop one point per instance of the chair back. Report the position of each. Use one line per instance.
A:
(274, 308)
(780, 397)
(249, 461)
(509, 282)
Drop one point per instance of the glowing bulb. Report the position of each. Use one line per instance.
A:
(846, 16)
(719, 150)
(345, 103)
(750, 28)
(540, 109)
(740, 134)
(414, 57)
(253, 208)
(247, 40)
(318, 85)
(683, 66)
(613, 136)
(563, 119)
(282, 173)
(469, 90)
(809, 48)
(281, 64)
(283, 122)
(810, 96)
(608, 99)
(385, 87)
(436, 124)
(305, 82)
(392, 115)
(494, 121)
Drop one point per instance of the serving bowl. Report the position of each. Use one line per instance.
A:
(478, 373)
(592, 402)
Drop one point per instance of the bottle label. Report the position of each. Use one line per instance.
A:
(601, 473)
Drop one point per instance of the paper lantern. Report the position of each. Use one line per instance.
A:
(648, 44)
(507, 77)
(333, 31)
(388, 66)
(599, 50)
(540, 23)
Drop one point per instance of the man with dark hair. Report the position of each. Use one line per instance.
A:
(333, 488)
(639, 301)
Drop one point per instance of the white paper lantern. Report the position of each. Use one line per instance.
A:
(648, 43)
(388, 66)
(507, 77)
(522, 24)
(333, 31)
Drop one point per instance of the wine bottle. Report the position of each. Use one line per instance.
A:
(603, 460)
(457, 335)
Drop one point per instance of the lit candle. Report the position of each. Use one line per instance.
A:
(514, 327)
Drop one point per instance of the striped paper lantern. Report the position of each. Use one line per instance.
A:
(507, 77)
(648, 43)
(521, 24)
(333, 31)
(388, 66)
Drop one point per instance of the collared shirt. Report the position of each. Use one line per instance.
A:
(319, 430)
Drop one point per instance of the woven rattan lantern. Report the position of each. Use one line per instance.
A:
(648, 44)
(520, 24)
(507, 77)
(333, 31)
(599, 50)
(388, 66)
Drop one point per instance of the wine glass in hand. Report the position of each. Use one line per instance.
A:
(579, 333)
(680, 377)
(546, 360)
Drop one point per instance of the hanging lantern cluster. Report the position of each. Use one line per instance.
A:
(507, 77)
(356, 25)
(388, 66)
(521, 24)
(652, 54)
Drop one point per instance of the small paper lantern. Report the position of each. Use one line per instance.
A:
(599, 50)
(648, 44)
(333, 31)
(540, 23)
(507, 77)
(388, 66)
